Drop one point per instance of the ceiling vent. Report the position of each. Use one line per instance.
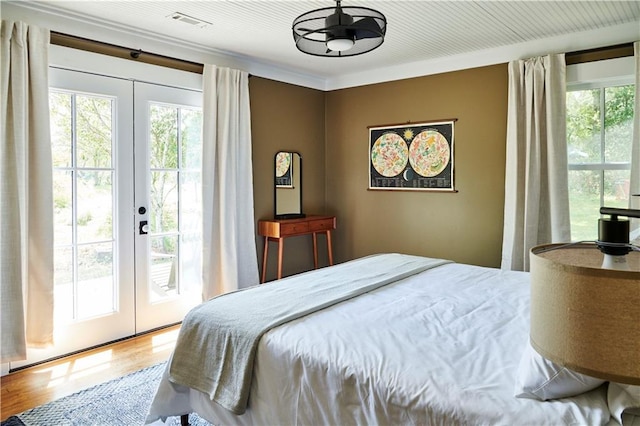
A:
(178, 16)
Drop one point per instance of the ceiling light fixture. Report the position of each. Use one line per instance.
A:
(339, 31)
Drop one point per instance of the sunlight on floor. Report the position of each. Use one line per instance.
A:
(80, 367)
(165, 341)
(57, 374)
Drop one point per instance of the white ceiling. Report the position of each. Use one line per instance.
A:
(423, 37)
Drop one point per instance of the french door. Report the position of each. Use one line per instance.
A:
(168, 203)
(127, 208)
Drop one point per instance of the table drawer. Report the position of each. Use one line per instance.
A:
(321, 225)
(294, 228)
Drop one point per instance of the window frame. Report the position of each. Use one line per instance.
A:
(601, 166)
(600, 75)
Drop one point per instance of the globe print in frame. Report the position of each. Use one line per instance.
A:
(389, 155)
(429, 153)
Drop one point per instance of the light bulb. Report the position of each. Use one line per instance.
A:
(618, 263)
(340, 44)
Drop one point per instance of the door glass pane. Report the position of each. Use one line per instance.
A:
(191, 229)
(191, 135)
(62, 207)
(584, 199)
(164, 202)
(95, 206)
(95, 290)
(583, 126)
(163, 266)
(63, 282)
(175, 214)
(93, 131)
(83, 194)
(60, 124)
(164, 136)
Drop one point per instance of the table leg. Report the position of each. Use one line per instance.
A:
(315, 251)
(280, 249)
(329, 249)
(264, 259)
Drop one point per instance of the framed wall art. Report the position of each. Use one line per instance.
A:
(412, 157)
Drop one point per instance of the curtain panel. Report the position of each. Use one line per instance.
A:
(26, 195)
(536, 209)
(229, 248)
(634, 181)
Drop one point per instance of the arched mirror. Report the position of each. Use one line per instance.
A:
(287, 185)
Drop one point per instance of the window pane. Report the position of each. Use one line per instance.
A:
(618, 123)
(163, 132)
(584, 199)
(60, 116)
(93, 122)
(583, 126)
(95, 206)
(616, 188)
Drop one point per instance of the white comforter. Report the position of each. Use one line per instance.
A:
(441, 347)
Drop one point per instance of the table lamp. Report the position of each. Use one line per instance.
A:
(585, 302)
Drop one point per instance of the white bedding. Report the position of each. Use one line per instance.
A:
(440, 347)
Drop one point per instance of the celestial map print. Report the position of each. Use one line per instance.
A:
(389, 155)
(283, 161)
(429, 153)
(412, 156)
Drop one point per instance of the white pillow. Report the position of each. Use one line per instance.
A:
(623, 399)
(539, 378)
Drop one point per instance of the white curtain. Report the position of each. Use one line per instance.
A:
(536, 209)
(26, 206)
(229, 249)
(634, 187)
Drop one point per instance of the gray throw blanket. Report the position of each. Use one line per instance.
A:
(218, 340)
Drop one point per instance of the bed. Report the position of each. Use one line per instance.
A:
(445, 344)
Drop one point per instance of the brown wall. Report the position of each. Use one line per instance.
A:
(286, 117)
(465, 226)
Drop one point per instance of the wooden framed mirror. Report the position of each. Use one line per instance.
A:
(287, 185)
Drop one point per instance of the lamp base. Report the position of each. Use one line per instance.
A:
(619, 263)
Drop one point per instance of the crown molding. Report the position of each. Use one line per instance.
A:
(39, 13)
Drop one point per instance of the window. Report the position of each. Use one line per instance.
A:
(599, 135)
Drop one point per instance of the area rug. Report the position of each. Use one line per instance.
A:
(122, 401)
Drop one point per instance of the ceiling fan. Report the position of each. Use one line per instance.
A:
(339, 31)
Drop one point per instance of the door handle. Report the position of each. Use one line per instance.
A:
(143, 228)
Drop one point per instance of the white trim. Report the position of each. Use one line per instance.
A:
(40, 14)
(610, 72)
(95, 63)
(562, 44)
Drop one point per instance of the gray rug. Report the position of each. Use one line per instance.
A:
(123, 401)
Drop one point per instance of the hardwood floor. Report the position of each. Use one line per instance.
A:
(33, 386)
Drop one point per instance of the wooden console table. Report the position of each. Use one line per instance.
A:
(278, 230)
